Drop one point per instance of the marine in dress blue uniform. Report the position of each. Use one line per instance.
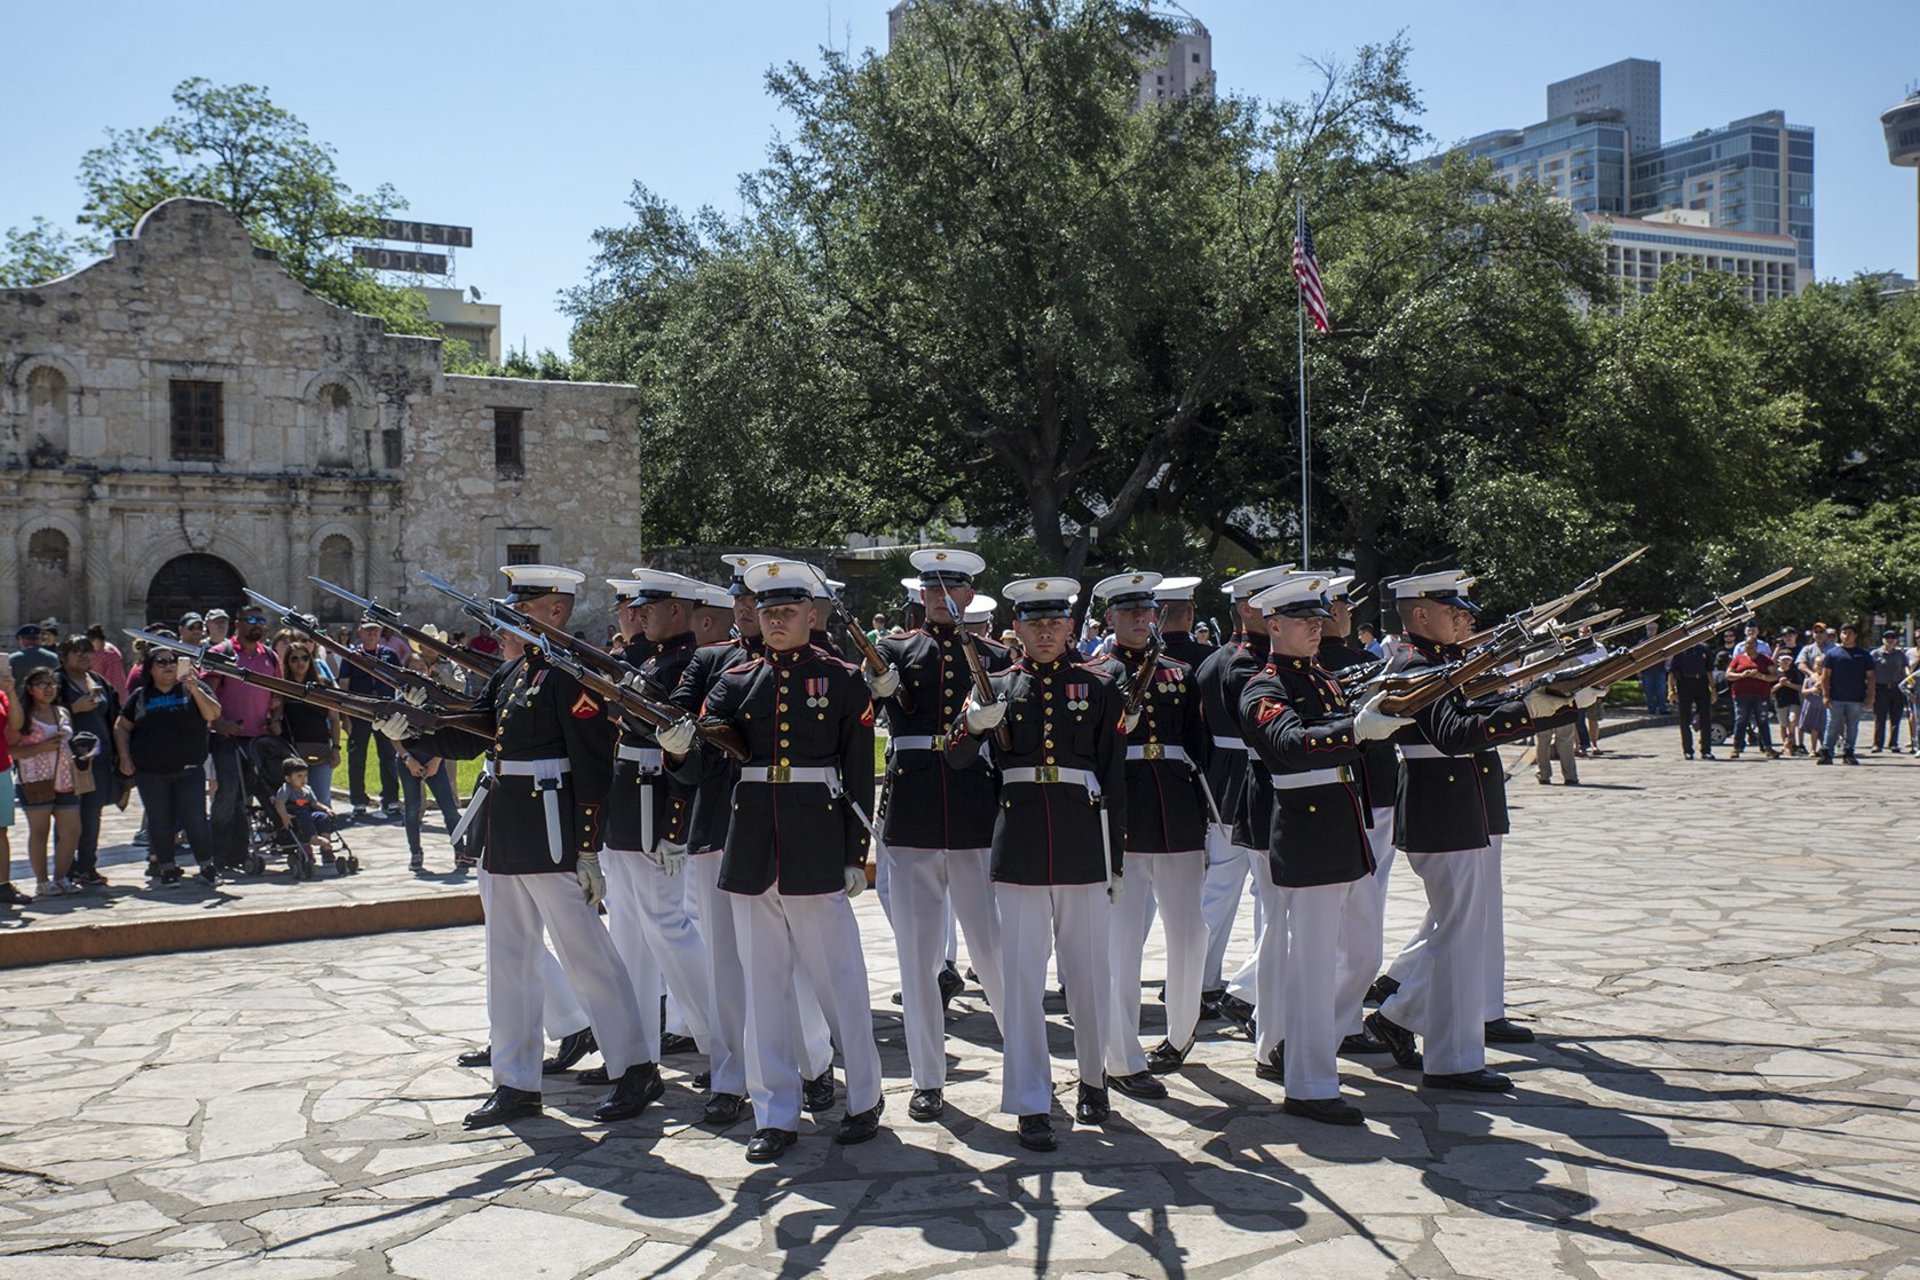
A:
(939, 820)
(796, 852)
(549, 748)
(1320, 858)
(1058, 849)
(1168, 810)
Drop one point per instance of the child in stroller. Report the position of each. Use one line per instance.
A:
(298, 807)
(290, 817)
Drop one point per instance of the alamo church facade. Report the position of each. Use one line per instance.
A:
(182, 419)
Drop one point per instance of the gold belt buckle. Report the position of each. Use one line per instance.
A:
(1345, 772)
(779, 773)
(1046, 773)
(1153, 751)
(939, 742)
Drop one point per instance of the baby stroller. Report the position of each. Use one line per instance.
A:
(270, 839)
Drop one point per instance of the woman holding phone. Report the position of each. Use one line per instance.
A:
(163, 736)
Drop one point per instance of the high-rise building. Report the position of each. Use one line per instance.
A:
(1181, 66)
(1600, 150)
(1639, 249)
(1630, 87)
(1755, 174)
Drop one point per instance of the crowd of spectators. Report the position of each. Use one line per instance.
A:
(88, 724)
(1820, 693)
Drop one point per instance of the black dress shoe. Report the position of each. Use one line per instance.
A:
(817, 1094)
(631, 1093)
(1325, 1110)
(505, 1104)
(1036, 1133)
(767, 1144)
(1481, 1081)
(1236, 1011)
(855, 1129)
(1210, 1004)
(1361, 1043)
(1163, 1057)
(1507, 1031)
(573, 1047)
(951, 985)
(927, 1104)
(1399, 1041)
(1141, 1084)
(723, 1109)
(1383, 986)
(592, 1075)
(703, 1081)
(1094, 1107)
(671, 1044)
(1274, 1065)
(476, 1058)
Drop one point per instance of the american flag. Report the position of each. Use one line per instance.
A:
(1306, 269)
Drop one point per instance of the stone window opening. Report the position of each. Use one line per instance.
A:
(523, 553)
(47, 438)
(336, 566)
(509, 443)
(47, 583)
(336, 428)
(198, 421)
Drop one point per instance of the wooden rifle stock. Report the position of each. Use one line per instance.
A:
(982, 686)
(359, 706)
(722, 737)
(1142, 679)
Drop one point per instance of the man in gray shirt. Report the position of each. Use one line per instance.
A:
(1890, 704)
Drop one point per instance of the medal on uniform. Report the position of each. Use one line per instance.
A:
(817, 691)
(1077, 697)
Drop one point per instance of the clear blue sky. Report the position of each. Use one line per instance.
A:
(530, 122)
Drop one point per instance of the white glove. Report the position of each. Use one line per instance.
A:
(593, 881)
(1128, 723)
(856, 881)
(677, 738)
(884, 685)
(395, 726)
(984, 719)
(636, 682)
(1371, 724)
(670, 857)
(1542, 704)
(1584, 698)
(414, 697)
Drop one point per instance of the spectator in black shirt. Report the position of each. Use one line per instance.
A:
(313, 732)
(1890, 699)
(162, 737)
(93, 706)
(1690, 688)
(360, 731)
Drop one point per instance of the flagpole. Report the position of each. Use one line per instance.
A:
(1300, 315)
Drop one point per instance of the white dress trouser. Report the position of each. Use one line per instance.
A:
(1496, 907)
(1442, 972)
(883, 889)
(814, 933)
(929, 886)
(1363, 949)
(1322, 997)
(1174, 881)
(726, 1042)
(560, 1011)
(518, 907)
(1220, 907)
(647, 916)
(1035, 919)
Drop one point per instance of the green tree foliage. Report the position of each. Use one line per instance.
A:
(39, 251)
(232, 144)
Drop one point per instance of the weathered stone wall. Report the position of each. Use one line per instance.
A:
(337, 434)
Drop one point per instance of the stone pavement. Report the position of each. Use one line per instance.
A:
(132, 917)
(1720, 959)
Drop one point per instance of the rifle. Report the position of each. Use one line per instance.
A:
(627, 698)
(500, 616)
(1730, 609)
(869, 652)
(359, 706)
(1506, 641)
(387, 673)
(982, 686)
(1143, 674)
(484, 664)
(1540, 614)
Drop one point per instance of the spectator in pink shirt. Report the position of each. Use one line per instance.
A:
(108, 662)
(245, 712)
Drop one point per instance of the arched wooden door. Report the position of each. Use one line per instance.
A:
(194, 584)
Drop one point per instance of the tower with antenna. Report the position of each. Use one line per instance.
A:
(1902, 125)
